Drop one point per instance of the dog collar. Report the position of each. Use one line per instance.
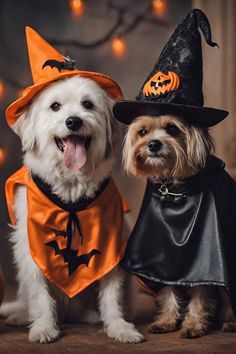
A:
(167, 189)
(163, 189)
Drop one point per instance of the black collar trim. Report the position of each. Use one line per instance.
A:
(81, 204)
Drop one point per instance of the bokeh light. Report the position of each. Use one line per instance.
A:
(77, 7)
(2, 89)
(2, 155)
(118, 46)
(159, 7)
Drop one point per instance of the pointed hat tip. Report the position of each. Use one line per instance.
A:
(31, 33)
(199, 18)
(29, 30)
(39, 51)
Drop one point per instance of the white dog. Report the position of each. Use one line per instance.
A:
(74, 108)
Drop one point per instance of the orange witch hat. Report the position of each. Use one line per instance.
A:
(48, 65)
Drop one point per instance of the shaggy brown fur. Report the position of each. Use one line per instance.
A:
(183, 150)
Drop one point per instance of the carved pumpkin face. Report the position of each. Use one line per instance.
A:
(160, 84)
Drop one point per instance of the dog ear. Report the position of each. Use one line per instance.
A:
(24, 128)
(128, 159)
(199, 146)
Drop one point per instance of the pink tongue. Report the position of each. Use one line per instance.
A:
(75, 154)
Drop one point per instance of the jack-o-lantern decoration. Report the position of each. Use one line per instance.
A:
(160, 84)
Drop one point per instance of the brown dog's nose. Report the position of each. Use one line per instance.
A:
(74, 123)
(154, 145)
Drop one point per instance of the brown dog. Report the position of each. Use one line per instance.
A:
(168, 148)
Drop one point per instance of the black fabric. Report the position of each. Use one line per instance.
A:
(127, 111)
(185, 234)
(81, 204)
(182, 55)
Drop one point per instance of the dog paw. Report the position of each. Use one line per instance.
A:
(124, 332)
(162, 327)
(17, 320)
(43, 334)
(10, 308)
(194, 327)
(191, 333)
(229, 326)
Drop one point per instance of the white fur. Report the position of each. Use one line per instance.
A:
(160, 133)
(38, 126)
(39, 303)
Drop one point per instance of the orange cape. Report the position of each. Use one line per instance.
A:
(72, 249)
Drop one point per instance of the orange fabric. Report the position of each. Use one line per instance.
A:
(101, 224)
(39, 52)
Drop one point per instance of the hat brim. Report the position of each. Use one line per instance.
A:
(127, 111)
(105, 82)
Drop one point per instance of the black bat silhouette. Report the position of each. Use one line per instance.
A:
(60, 65)
(70, 256)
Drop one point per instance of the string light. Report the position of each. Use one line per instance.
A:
(77, 7)
(2, 88)
(159, 7)
(120, 27)
(2, 155)
(118, 46)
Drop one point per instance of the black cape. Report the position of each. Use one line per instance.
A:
(187, 239)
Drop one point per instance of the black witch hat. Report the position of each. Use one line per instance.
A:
(175, 84)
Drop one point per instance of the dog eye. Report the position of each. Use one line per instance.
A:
(142, 132)
(87, 104)
(55, 106)
(172, 130)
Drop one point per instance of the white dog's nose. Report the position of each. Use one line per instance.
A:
(74, 123)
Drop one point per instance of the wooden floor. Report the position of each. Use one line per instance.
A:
(87, 339)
